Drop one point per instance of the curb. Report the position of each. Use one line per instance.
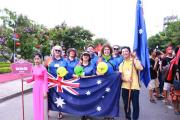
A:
(15, 95)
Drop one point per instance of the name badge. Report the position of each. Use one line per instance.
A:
(128, 72)
(56, 65)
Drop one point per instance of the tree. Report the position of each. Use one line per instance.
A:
(100, 41)
(36, 38)
(76, 37)
(32, 37)
(171, 35)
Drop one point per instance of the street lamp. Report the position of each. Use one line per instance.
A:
(15, 38)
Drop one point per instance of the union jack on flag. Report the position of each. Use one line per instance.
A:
(61, 84)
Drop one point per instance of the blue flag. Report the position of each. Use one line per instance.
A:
(140, 43)
(92, 96)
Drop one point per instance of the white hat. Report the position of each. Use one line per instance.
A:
(57, 47)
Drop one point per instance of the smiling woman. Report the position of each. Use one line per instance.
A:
(57, 62)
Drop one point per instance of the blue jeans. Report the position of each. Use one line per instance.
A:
(135, 103)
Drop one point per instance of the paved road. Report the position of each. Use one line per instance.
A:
(11, 110)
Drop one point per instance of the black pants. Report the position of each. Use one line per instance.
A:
(161, 82)
(135, 103)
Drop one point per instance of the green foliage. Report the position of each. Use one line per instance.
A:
(101, 41)
(4, 64)
(5, 70)
(33, 38)
(37, 38)
(76, 37)
(171, 35)
(5, 67)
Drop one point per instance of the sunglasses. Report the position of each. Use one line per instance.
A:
(58, 50)
(116, 49)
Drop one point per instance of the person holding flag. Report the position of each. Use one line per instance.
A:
(87, 65)
(141, 62)
(56, 62)
(88, 70)
(107, 57)
(72, 61)
(131, 85)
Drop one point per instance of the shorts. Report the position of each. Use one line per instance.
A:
(167, 86)
(153, 83)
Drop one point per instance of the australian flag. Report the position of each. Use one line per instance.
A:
(140, 43)
(92, 95)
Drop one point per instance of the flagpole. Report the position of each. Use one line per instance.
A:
(129, 95)
(22, 93)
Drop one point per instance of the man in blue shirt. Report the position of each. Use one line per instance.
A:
(117, 55)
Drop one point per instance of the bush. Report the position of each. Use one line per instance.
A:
(4, 64)
(5, 70)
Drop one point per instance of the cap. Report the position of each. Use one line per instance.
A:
(71, 49)
(86, 53)
(116, 47)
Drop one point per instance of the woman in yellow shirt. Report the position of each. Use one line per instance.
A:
(129, 70)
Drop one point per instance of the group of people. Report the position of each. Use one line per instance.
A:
(122, 60)
(161, 85)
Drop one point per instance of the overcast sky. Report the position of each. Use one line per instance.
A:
(110, 19)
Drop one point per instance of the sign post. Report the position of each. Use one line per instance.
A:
(22, 67)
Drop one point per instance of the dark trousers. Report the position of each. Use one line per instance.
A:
(161, 83)
(135, 103)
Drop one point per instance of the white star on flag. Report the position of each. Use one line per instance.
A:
(140, 31)
(98, 108)
(60, 102)
(102, 96)
(88, 93)
(108, 89)
(99, 82)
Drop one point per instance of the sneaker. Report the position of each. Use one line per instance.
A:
(83, 118)
(177, 112)
(152, 101)
(60, 116)
(160, 98)
(167, 103)
(169, 106)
